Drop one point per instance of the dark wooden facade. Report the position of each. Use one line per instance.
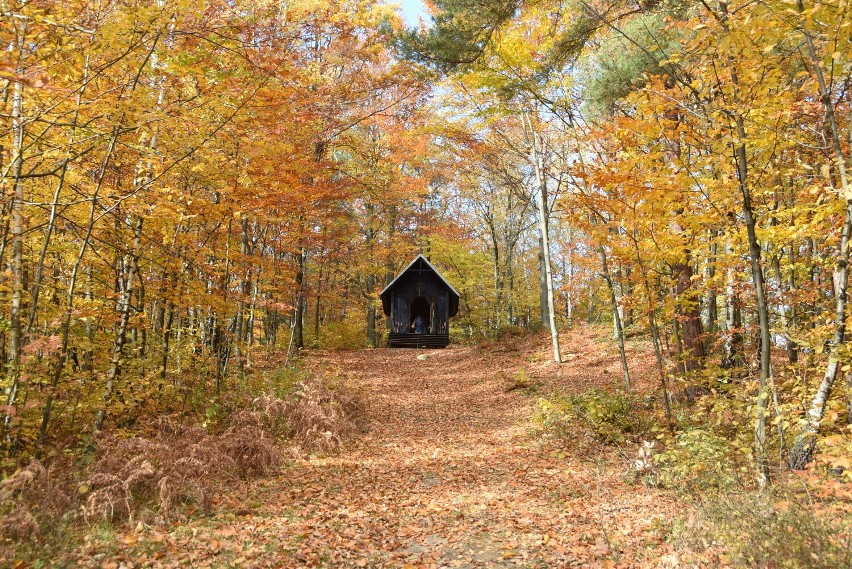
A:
(419, 290)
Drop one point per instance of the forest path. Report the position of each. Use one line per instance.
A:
(448, 474)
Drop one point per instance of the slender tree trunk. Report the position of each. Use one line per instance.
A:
(543, 304)
(89, 354)
(17, 234)
(51, 223)
(498, 281)
(784, 309)
(794, 320)
(371, 312)
(804, 444)
(733, 317)
(65, 329)
(590, 316)
(297, 339)
(569, 297)
(510, 286)
(741, 162)
(125, 306)
(318, 299)
(762, 314)
(541, 182)
(710, 299)
(167, 336)
(616, 316)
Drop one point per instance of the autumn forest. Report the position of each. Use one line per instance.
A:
(643, 205)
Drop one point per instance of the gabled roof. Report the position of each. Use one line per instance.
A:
(411, 264)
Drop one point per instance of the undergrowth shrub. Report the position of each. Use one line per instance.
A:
(697, 460)
(768, 530)
(34, 500)
(175, 465)
(345, 335)
(282, 381)
(181, 463)
(320, 417)
(834, 456)
(595, 415)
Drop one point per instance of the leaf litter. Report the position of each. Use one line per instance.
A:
(449, 473)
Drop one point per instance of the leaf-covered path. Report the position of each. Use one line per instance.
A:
(448, 474)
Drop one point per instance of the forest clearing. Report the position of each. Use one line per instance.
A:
(230, 228)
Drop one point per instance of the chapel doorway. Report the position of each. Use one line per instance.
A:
(420, 307)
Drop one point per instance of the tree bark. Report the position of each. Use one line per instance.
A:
(741, 163)
(65, 329)
(543, 303)
(616, 316)
(690, 316)
(17, 234)
(711, 299)
(298, 340)
(733, 317)
(541, 182)
(803, 446)
(371, 311)
(125, 305)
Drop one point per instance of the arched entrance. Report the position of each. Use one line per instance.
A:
(420, 307)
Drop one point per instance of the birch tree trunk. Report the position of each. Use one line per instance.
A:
(17, 234)
(803, 446)
(541, 182)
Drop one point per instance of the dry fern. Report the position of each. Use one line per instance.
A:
(321, 418)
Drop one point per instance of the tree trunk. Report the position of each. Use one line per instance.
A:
(784, 309)
(711, 300)
(616, 316)
(17, 234)
(569, 297)
(125, 305)
(298, 340)
(167, 336)
(690, 316)
(733, 317)
(541, 182)
(762, 314)
(804, 444)
(371, 312)
(590, 315)
(543, 304)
